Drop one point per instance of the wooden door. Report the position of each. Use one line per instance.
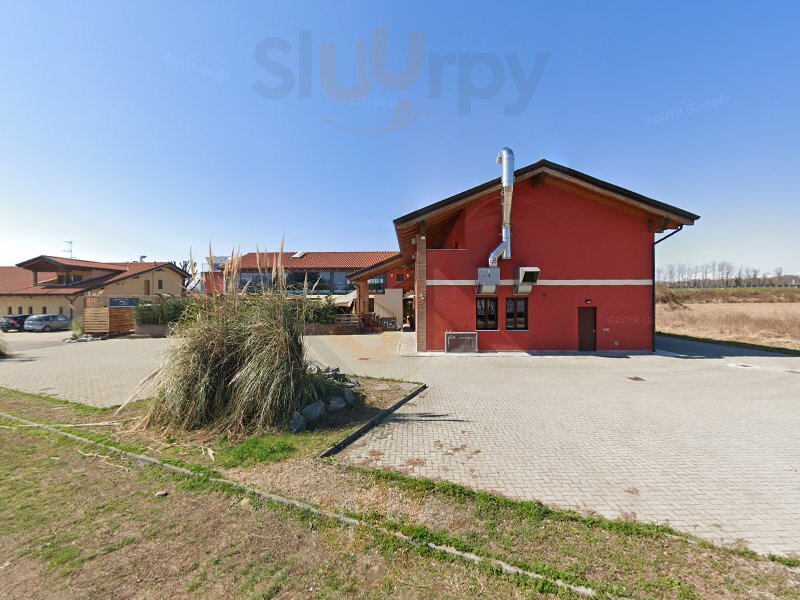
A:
(587, 328)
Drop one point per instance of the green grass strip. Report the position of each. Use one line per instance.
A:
(416, 536)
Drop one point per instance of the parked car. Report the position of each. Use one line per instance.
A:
(10, 322)
(47, 323)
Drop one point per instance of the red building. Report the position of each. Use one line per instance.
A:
(544, 258)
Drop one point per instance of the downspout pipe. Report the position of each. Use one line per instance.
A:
(653, 256)
(506, 160)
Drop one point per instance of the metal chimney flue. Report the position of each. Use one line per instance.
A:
(506, 160)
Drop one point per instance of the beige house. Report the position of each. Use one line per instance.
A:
(54, 285)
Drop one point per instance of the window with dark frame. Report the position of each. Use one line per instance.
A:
(377, 285)
(401, 277)
(161, 284)
(516, 313)
(486, 313)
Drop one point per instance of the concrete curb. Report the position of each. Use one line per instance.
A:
(343, 519)
(375, 420)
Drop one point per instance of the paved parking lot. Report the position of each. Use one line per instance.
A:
(20, 341)
(100, 373)
(702, 437)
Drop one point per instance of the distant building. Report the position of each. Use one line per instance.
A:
(323, 274)
(55, 285)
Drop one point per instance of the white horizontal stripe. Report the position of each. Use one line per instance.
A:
(595, 282)
(547, 282)
(451, 282)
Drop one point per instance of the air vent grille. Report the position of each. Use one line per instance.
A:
(455, 341)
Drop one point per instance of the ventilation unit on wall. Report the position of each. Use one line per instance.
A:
(528, 276)
(457, 341)
(488, 280)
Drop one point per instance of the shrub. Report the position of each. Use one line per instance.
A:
(77, 326)
(3, 348)
(161, 313)
(237, 363)
(321, 311)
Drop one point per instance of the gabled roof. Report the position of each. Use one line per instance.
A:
(343, 261)
(46, 262)
(121, 272)
(440, 214)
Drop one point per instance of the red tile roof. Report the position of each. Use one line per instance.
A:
(345, 261)
(14, 278)
(129, 269)
(73, 262)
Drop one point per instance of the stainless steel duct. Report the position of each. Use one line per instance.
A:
(506, 159)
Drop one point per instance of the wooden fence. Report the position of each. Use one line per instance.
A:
(109, 320)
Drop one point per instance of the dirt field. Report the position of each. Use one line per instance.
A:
(77, 524)
(768, 324)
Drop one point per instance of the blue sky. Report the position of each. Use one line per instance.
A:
(138, 128)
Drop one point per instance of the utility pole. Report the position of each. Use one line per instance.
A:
(68, 248)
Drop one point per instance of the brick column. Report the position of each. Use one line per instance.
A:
(421, 291)
(362, 297)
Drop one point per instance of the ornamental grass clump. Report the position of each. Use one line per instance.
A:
(237, 362)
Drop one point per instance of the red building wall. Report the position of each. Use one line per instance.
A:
(569, 237)
(393, 281)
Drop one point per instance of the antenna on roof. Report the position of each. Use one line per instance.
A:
(68, 248)
(142, 257)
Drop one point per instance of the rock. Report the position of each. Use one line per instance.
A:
(162, 494)
(245, 502)
(382, 387)
(349, 396)
(336, 403)
(314, 411)
(297, 423)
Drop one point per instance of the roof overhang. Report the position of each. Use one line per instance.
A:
(49, 263)
(398, 261)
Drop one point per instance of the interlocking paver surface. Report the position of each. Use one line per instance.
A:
(99, 373)
(707, 441)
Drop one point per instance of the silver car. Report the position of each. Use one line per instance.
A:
(47, 323)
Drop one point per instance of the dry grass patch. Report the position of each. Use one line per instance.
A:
(765, 324)
(641, 560)
(77, 526)
(733, 295)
